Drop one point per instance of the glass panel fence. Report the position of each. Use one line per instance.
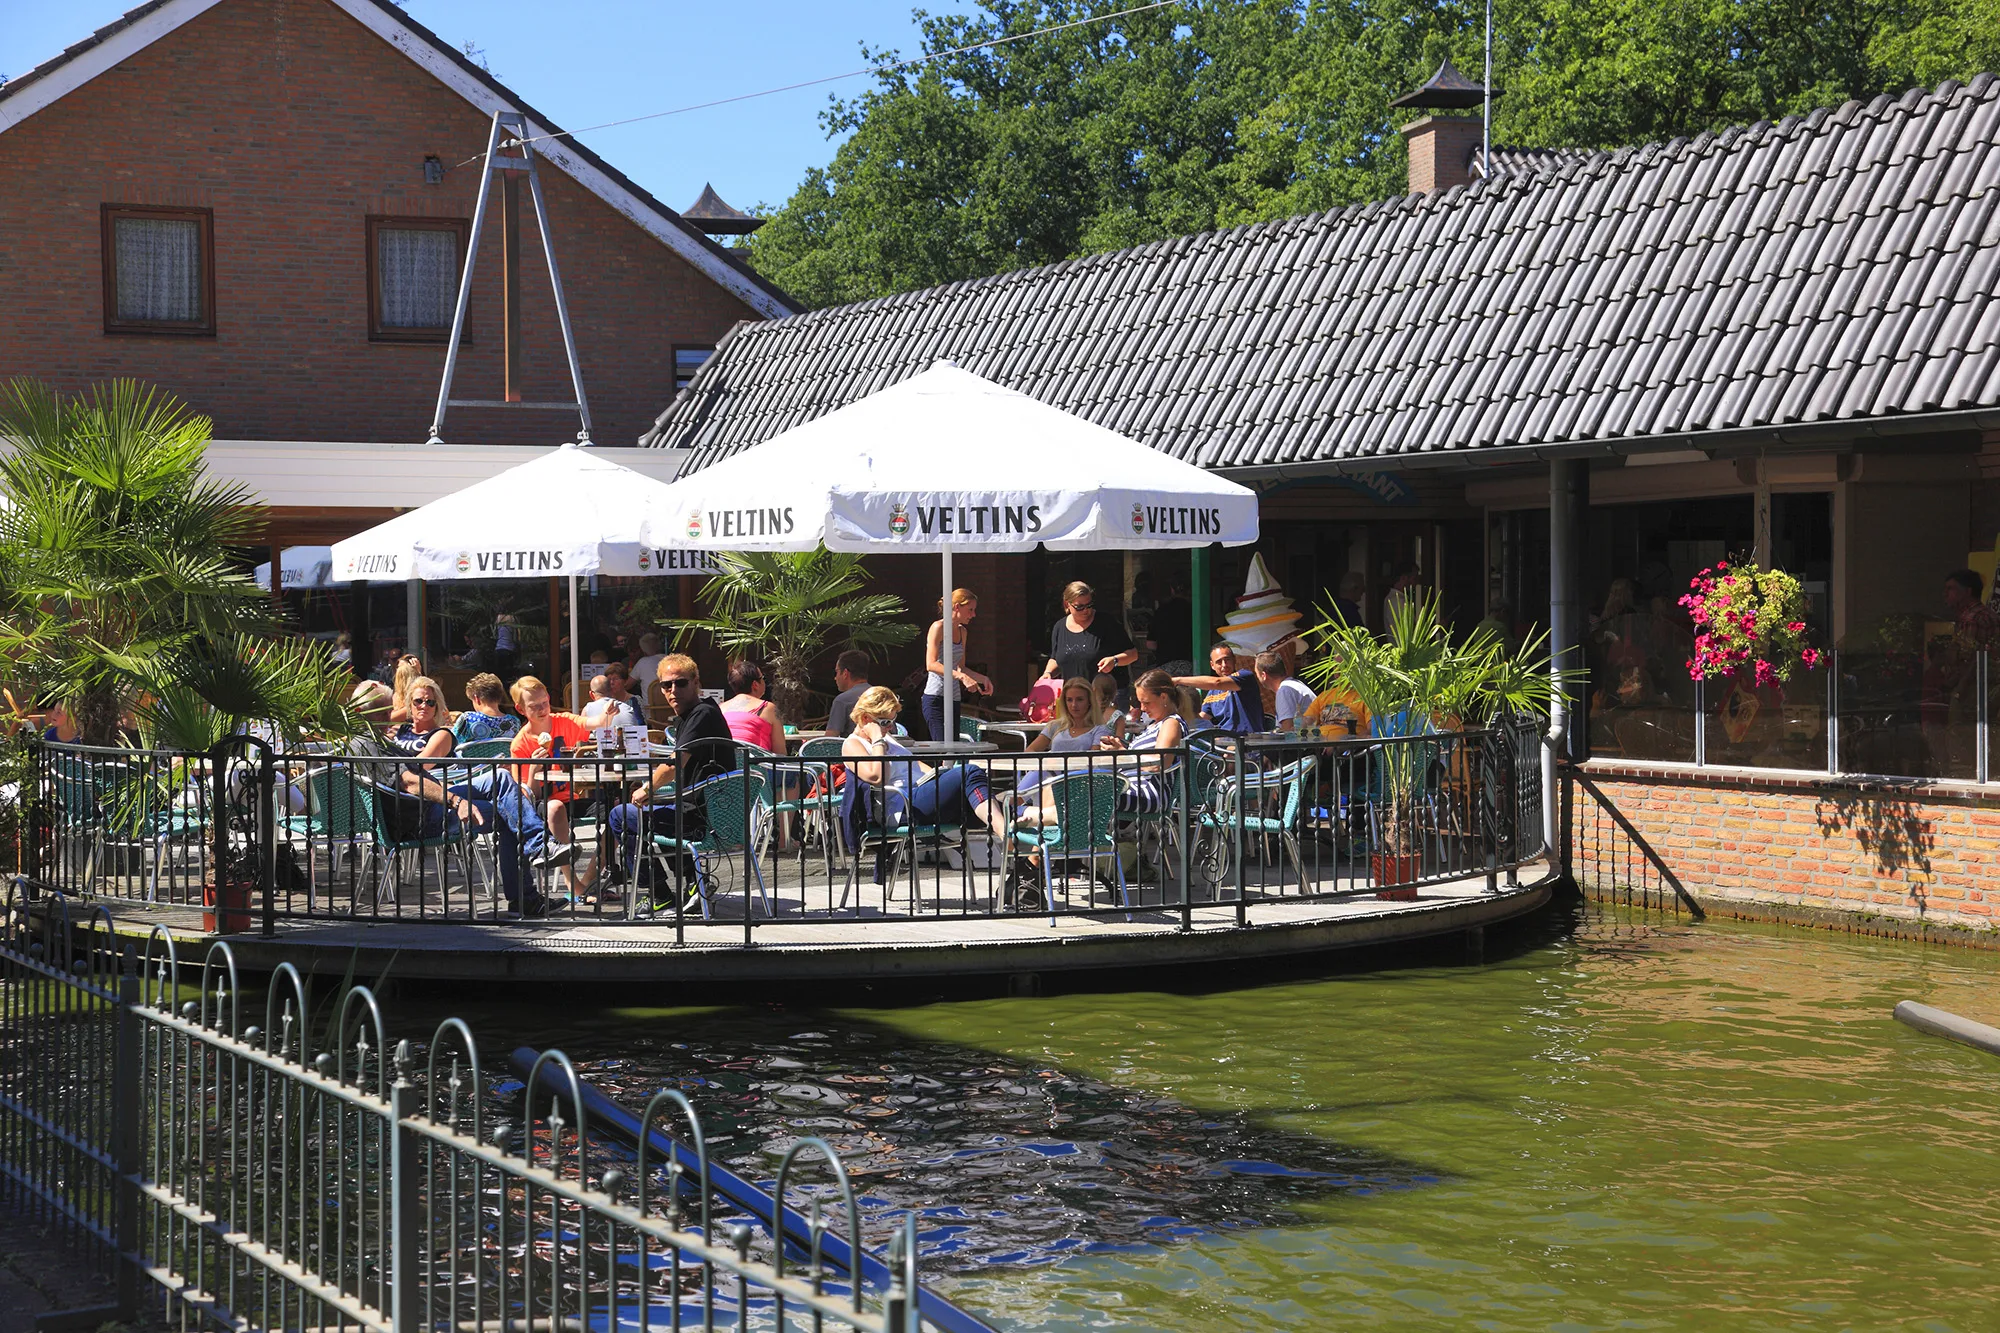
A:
(1779, 725)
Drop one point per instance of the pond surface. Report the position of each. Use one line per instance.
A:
(1627, 1124)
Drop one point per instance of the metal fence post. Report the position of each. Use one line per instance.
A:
(30, 836)
(127, 1093)
(1242, 906)
(1187, 836)
(405, 1282)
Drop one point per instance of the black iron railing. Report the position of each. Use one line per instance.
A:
(253, 836)
(277, 1165)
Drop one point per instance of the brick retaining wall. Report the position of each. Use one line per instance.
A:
(1915, 855)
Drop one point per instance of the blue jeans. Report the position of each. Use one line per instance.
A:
(517, 827)
(629, 824)
(949, 796)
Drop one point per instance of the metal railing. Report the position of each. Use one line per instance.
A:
(255, 837)
(293, 1170)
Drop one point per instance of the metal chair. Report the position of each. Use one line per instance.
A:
(730, 809)
(866, 827)
(1085, 805)
(815, 804)
(1248, 796)
(359, 803)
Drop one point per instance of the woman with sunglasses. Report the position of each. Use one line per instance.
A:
(1087, 644)
(474, 793)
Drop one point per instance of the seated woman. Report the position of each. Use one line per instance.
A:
(912, 791)
(474, 797)
(1079, 724)
(1146, 787)
(752, 718)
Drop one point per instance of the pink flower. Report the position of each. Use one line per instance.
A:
(1797, 626)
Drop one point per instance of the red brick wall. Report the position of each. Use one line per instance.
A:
(1928, 853)
(293, 123)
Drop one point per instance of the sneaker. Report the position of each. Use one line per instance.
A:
(535, 905)
(555, 854)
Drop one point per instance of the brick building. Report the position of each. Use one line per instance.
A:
(263, 206)
(1554, 391)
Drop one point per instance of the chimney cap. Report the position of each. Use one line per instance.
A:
(1446, 90)
(717, 218)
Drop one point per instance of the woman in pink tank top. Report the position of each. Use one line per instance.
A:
(751, 718)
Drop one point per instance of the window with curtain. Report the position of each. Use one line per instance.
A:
(157, 270)
(413, 277)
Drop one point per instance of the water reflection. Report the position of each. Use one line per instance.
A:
(1010, 1163)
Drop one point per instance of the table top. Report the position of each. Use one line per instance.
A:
(1025, 729)
(948, 748)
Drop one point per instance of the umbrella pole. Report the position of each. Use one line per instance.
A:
(574, 646)
(944, 649)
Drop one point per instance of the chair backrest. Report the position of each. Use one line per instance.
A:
(493, 749)
(822, 747)
(725, 802)
(337, 805)
(971, 729)
(1085, 804)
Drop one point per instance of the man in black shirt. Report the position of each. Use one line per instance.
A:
(703, 748)
(850, 677)
(1084, 643)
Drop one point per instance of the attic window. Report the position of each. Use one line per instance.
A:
(413, 266)
(159, 270)
(687, 360)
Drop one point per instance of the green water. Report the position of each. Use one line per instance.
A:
(1634, 1125)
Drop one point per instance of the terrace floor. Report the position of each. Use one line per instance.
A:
(877, 941)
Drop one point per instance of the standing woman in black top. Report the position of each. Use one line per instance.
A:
(1085, 643)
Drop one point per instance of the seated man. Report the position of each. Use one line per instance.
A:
(703, 748)
(1232, 701)
(1293, 696)
(605, 709)
(547, 734)
(850, 677)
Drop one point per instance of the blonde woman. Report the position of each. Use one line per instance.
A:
(408, 669)
(948, 671)
(912, 791)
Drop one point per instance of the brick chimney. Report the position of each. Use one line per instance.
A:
(1441, 146)
(1441, 151)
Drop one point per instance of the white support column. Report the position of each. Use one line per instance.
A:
(944, 651)
(575, 649)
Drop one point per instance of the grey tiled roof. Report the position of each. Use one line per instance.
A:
(1521, 161)
(1830, 268)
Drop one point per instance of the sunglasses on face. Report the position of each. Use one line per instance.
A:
(1084, 606)
(678, 682)
(423, 703)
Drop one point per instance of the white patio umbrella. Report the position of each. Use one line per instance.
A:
(301, 567)
(947, 461)
(567, 514)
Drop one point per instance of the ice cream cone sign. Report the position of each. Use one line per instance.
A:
(1264, 617)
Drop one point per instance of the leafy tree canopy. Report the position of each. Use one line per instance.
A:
(1219, 112)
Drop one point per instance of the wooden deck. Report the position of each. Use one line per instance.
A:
(875, 946)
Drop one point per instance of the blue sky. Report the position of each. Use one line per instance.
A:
(589, 61)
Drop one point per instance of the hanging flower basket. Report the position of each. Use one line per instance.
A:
(1749, 625)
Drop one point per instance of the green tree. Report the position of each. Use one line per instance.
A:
(1218, 112)
(785, 610)
(117, 592)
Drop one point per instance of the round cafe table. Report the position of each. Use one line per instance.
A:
(947, 749)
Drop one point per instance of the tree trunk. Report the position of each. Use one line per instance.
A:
(791, 686)
(97, 716)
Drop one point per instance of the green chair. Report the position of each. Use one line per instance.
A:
(727, 799)
(349, 806)
(1084, 829)
(816, 804)
(1283, 787)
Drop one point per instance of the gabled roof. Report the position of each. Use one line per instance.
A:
(1834, 268)
(140, 27)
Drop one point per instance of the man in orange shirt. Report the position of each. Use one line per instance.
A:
(547, 734)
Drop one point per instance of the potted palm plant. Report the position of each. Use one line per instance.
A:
(785, 609)
(1417, 680)
(119, 597)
